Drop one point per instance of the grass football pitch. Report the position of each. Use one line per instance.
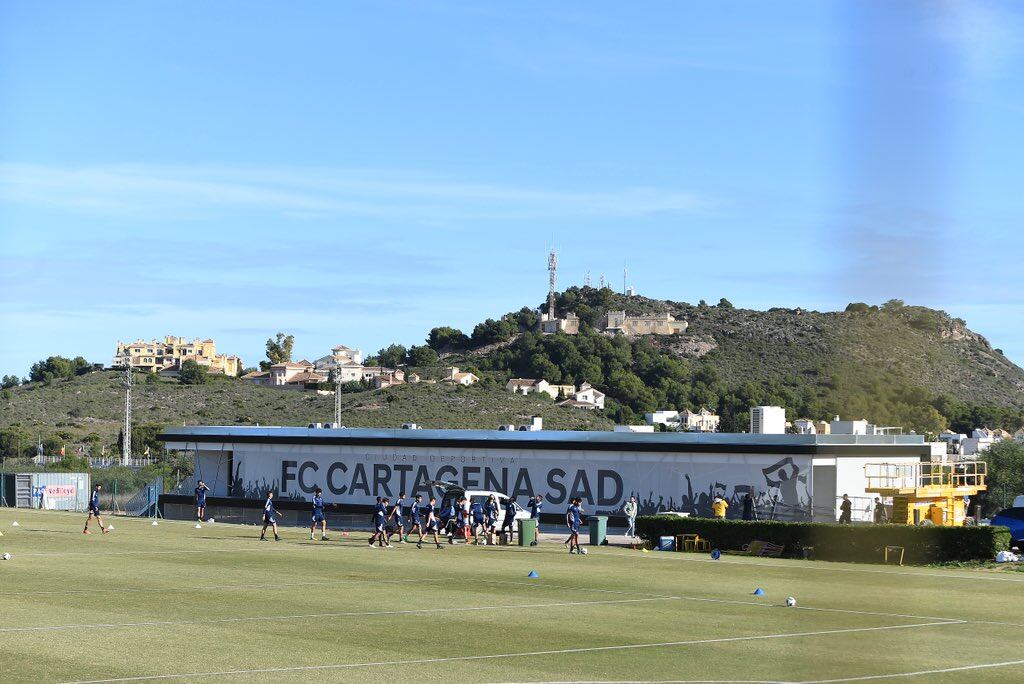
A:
(175, 603)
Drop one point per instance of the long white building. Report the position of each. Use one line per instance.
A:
(793, 476)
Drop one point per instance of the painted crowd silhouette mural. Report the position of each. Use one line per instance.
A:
(783, 492)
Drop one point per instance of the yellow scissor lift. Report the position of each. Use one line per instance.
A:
(927, 491)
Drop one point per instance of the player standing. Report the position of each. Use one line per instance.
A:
(94, 510)
(269, 518)
(201, 490)
(416, 524)
(318, 515)
(572, 521)
(491, 510)
(431, 524)
(510, 519)
(535, 505)
(477, 509)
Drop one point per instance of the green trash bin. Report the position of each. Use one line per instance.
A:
(598, 525)
(527, 531)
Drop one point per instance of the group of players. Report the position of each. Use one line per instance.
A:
(457, 518)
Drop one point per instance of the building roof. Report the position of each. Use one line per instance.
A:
(525, 382)
(666, 442)
(256, 374)
(307, 376)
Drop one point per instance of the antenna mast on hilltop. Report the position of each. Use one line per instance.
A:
(623, 279)
(552, 267)
(126, 441)
(337, 396)
(586, 279)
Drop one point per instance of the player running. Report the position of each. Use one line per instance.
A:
(396, 515)
(432, 524)
(201, 490)
(572, 521)
(94, 510)
(416, 524)
(269, 518)
(318, 515)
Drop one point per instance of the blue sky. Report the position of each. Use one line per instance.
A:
(359, 172)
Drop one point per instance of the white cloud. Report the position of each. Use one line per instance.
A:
(205, 191)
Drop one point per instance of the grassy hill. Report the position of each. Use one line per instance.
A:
(90, 408)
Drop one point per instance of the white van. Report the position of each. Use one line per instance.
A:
(454, 491)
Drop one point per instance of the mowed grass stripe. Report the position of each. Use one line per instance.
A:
(321, 616)
(522, 654)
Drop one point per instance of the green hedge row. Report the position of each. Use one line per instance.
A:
(831, 541)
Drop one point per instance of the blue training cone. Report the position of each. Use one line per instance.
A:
(533, 575)
(716, 554)
(759, 592)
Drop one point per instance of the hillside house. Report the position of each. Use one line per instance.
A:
(167, 355)
(525, 386)
(570, 325)
(699, 421)
(457, 377)
(618, 322)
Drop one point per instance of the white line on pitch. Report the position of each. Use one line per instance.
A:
(494, 656)
(282, 618)
(919, 673)
(841, 680)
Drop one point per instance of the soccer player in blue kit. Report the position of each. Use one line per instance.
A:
(94, 510)
(477, 511)
(432, 524)
(380, 524)
(318, 515)
(201, 490)
(572, 521)
(509, 521)
(416, 524)
(535, 505)
(396, 514)
(269, 518)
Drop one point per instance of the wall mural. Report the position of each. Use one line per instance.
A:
(780, 487)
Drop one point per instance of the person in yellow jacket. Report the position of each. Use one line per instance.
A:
(719, 507)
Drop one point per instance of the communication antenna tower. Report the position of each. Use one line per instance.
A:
(337, 397)
(552, 267)
(586, 279)
(624, 279)
(601, 281)
(126, 442)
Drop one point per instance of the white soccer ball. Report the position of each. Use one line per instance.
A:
(583, 551)
(6, 556)
(790, 601)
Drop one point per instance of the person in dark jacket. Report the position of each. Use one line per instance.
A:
(748, 507)
(845, 511)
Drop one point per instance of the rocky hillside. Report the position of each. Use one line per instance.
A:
(893, 364)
